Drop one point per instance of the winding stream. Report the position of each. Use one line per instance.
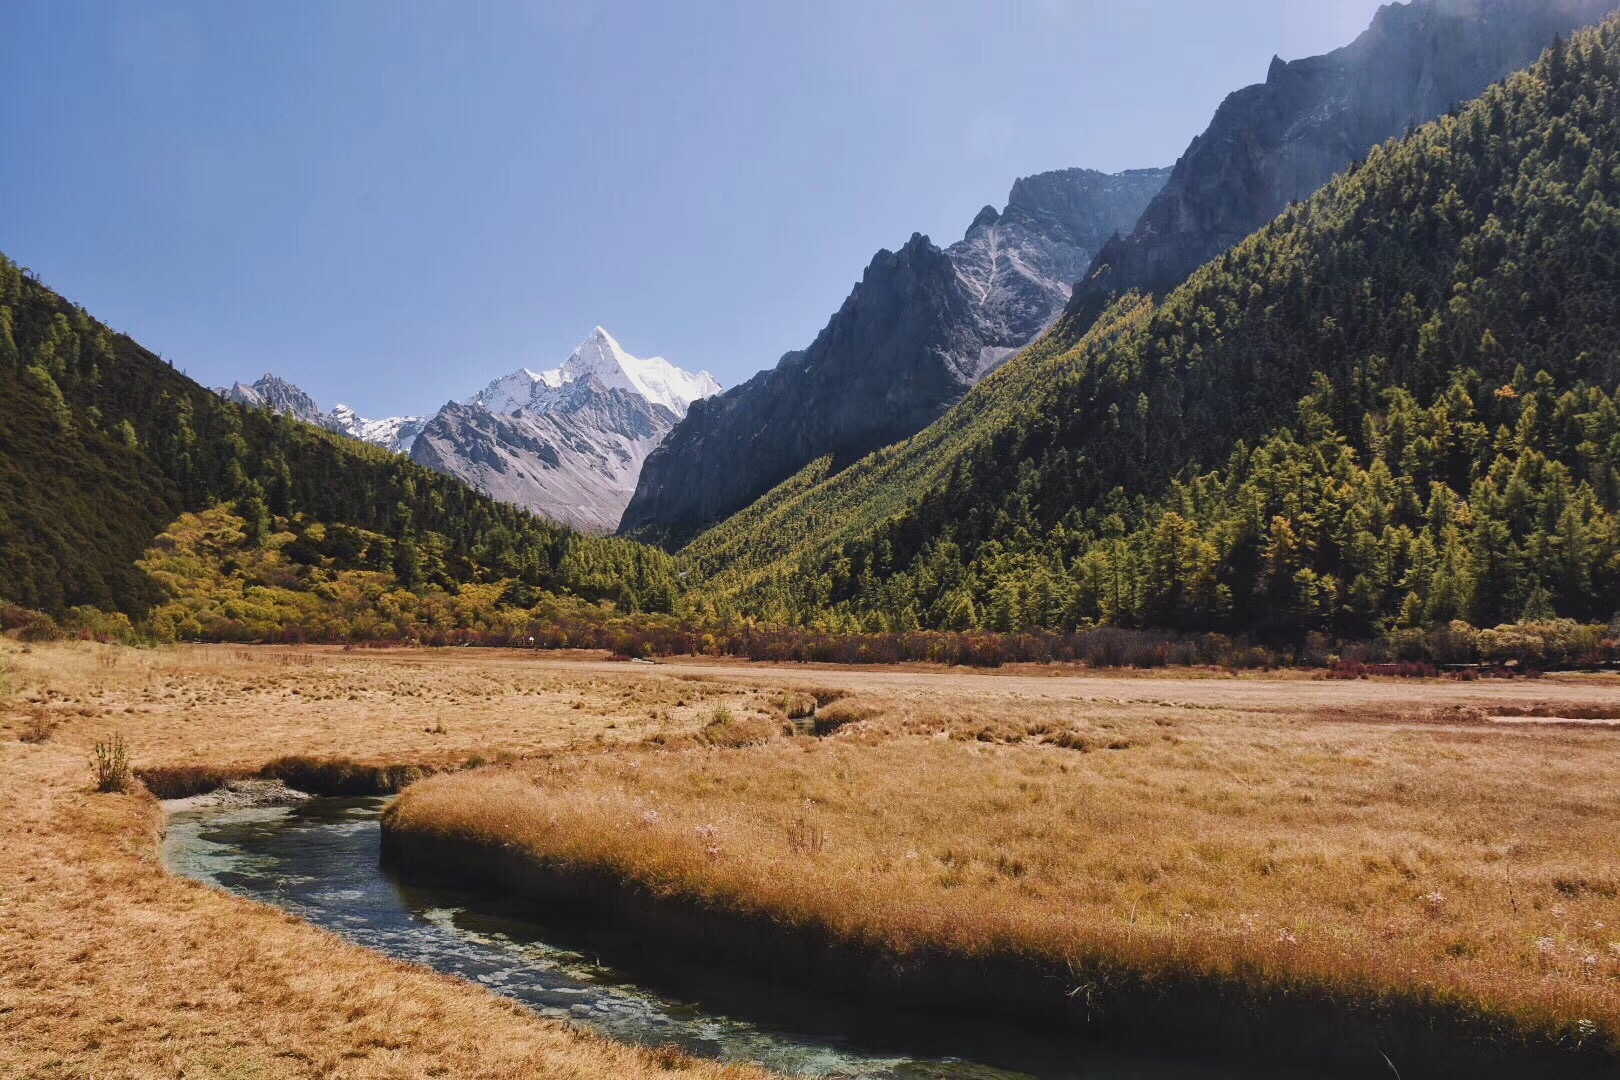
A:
(319, 860)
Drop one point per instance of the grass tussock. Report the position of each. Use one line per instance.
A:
(1469, 869)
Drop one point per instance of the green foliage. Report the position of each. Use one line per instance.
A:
(307, 581)
(1394, 406)
(103, 445)
(110, 763)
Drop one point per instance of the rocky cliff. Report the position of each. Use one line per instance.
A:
(1280, 140)
(921, 327)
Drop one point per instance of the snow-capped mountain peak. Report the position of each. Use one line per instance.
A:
(602, 357)
(396, 433)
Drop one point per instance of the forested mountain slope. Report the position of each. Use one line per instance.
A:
(1280, 140)
(1395, 404)
(102, 445)
(921, 327)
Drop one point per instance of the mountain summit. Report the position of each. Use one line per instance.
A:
(568, 442)
(601, 357)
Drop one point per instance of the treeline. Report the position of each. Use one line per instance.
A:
(303, 582)
(1393, 407)
(102, 445)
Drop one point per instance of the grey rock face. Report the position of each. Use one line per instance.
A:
(1281, 140)
(276, 394)
(576, 462)
(921, 327)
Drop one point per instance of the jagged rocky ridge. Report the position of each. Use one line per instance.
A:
(1279, 141)
(567, 443)
(395, 433)
(921, 327)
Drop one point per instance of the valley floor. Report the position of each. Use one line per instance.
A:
(111, 967)
(1379, 836)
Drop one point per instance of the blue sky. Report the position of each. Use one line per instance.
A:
(391, 203)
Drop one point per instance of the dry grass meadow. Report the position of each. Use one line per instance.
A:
(110, 967)
(1449, 840)
(1458, 836)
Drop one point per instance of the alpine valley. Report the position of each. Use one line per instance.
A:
(1282, 486)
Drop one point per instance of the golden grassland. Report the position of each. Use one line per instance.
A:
(1447, 842)
(1381, 831)
(111, 967)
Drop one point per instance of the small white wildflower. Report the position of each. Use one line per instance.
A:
(1546, 945)
(649, 817)
(1286, 936)
(1589, 961)
(911, 854)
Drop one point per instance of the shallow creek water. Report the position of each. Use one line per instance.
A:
(320, 860)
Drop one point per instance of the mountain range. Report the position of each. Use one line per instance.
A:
(924, 325)
(567, 443)
(395, 433)
(1390, 406)
(1395, 405)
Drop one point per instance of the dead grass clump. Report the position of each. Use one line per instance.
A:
(1070, 739)
(840, 713)
(804, 838)
(110, 763)
(184, 781)
(728, 730)
(797, 705)
(37, 726)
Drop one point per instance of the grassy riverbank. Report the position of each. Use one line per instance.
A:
(111, 967)
(1411, 873)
